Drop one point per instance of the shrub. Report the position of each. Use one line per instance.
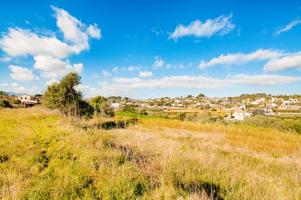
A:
(129, 108)
(86, 110)
(4, 103)
(101, 106)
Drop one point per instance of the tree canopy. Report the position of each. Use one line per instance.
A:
(64, 97)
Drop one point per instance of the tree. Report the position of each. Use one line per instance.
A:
(66, 98)
(3, 94)
(201, 96)
(101, 106)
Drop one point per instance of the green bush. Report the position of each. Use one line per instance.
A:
(129, 108)
(280, 123)
(4, 103)
(102, 107)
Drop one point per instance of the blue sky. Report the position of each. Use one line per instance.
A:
(145, 49)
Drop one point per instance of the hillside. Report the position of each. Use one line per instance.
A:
(42, 156)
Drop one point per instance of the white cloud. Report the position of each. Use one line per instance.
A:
(94, 32)
(18, 42)
(199, 82)
(21, 74)
(220, 25)
(52, 67)
(75, 31)
(50, 53)
(145, 74)
(288, 27)
(241, 58)
(15, 87)
(86, 90)
(158, 62)
(283, 63)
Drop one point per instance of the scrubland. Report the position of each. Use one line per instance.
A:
(46, 156)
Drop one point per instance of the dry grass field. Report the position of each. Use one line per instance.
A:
(42, 156)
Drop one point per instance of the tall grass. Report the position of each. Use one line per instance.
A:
(43, 156)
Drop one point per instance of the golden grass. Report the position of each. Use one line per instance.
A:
(43, 156)
(262, 140)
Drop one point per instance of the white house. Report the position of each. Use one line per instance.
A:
(115, 105)
(27, 100)
(240, 115)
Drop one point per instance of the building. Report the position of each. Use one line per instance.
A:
(239, 115)
(115, 106)
(28, 100)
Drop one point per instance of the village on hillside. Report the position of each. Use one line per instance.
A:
(233, 108)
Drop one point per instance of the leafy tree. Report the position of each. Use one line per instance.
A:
(101, 106)
(66, 98)
(3, 94)
(51, 96)
(201, 96)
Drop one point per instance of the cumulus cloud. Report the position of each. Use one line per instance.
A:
(221, 25)
(288, 27)
(21, 74)
(74, 31)
(51, 67)
(241, 58)
(19, 42)
(286, 62)
(48, 51)
(145, 74)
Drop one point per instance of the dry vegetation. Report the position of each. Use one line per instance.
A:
(42, 156)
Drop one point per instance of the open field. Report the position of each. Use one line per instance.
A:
(42, 156)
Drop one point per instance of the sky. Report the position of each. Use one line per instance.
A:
(150, 49)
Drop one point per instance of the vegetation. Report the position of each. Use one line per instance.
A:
(143, 154)
(64, 97)
(102, 107)
(42, 156)
(292, 124)
(4, 100)
(129, 109)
